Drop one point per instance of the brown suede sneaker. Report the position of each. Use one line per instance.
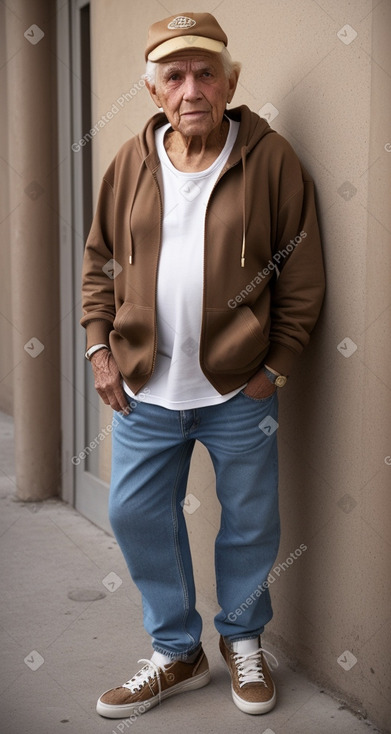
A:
(253, 690)
(151, 685)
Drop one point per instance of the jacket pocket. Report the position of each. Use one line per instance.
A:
(133, 338)
(234, 340)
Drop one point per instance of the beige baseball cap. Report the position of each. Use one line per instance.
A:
(178, 32)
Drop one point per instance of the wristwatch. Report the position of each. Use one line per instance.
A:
(274, 377)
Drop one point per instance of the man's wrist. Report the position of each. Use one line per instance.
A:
(95, 348)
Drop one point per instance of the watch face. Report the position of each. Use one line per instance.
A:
(280, 381)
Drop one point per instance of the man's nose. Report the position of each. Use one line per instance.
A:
(191, 88)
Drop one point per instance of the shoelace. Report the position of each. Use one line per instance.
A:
(250, 666)
(148, 672)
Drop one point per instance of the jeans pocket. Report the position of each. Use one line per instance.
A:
(258, 400)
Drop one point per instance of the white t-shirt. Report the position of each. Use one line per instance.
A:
(178, 382)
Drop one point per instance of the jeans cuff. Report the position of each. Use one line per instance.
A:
(185, 657)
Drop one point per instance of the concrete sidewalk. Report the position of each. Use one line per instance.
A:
(71, 628)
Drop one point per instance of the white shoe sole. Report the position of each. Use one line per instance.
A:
(254, 708)
(124, 711)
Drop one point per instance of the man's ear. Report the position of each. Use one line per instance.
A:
(232, 84)
(152, 91)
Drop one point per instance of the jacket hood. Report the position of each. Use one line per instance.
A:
(252, 129)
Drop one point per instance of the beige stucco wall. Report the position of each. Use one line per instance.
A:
(335, 426)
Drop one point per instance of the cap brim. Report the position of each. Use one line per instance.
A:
(181, 43)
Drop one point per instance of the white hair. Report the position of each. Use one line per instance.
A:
(229, 66)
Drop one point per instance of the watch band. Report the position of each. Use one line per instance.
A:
(94, 349)
(269, 374)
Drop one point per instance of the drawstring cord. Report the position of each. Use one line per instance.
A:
(130, 214)
(243, 251)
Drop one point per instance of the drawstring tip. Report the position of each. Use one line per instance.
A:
(130, 260)
(243, 252)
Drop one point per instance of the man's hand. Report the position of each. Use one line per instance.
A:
(108, 380)
(259, 386)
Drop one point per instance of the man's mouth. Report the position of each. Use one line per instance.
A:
(194, 113)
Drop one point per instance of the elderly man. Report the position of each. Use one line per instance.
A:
(207, 222)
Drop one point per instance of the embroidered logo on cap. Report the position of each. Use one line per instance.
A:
(181, 21)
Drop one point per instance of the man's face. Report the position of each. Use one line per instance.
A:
(193, 90)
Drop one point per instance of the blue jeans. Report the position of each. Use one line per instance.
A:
(151, 454)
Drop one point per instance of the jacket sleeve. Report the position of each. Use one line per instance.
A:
(298, 291)
(97, 275)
